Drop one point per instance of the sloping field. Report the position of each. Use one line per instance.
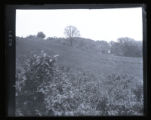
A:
(77, 59)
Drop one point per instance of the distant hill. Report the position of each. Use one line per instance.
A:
(83, 55)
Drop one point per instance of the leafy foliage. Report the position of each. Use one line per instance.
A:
(42, 82)
(127, 47)
(123, 100)
(41, 35)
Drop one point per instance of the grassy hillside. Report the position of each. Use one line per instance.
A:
(77, 58)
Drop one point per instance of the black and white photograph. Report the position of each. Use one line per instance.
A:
(79, 62)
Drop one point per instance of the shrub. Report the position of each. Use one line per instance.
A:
(43, 82)
(125, 97)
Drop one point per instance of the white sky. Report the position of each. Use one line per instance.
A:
(96, 24)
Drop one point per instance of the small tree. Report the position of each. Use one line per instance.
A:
(41, 35)
(71, 32)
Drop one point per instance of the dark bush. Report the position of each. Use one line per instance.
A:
(42, 82)
(41, 35)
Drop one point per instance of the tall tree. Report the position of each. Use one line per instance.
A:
(71, 32)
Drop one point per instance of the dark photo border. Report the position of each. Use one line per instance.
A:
(9, 14)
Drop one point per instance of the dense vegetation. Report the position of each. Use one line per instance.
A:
(55, 79)
(127, 47)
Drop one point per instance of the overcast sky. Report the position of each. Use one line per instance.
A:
(96, 24)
